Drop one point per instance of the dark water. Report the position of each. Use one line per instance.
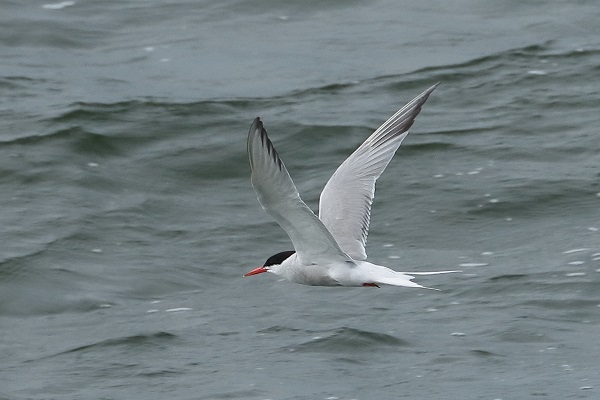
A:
(127, 218)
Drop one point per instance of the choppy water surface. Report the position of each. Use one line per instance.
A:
(127, 218)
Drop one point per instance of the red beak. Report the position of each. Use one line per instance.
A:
(255, 271)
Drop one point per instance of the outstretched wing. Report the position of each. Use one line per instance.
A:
(345, 203)
(279, 197)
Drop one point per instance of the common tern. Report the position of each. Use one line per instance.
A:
(329, 250)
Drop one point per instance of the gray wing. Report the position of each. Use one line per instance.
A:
(345, 203)
(279, 197)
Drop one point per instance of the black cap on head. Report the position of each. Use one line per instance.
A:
(278, 258)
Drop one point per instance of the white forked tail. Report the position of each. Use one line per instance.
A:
(390, 277)
(431, 272)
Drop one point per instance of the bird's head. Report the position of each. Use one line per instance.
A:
(272, 264)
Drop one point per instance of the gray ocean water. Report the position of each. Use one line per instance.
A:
(127, 217)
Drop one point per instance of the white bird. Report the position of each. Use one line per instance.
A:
(329, 250)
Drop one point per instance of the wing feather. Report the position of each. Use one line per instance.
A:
(345, 203)
(279, 197)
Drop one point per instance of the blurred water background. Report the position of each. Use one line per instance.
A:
(127, 217)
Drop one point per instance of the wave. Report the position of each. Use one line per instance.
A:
(351, 340)
(148, 341)
(141, 342)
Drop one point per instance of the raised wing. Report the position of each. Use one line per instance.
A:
(345, 203)
(279, 197)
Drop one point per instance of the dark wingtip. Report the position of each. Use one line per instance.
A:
(257, 125)
(431, 89)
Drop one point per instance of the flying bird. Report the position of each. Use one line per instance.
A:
(329, 250)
